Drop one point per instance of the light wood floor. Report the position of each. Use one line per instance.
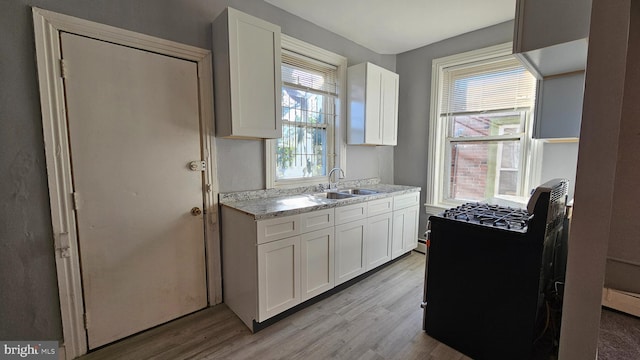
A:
(377, 318)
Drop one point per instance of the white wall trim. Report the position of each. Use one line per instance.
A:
(436, 143)
(622, 301)
(47, 27)
(340, 133)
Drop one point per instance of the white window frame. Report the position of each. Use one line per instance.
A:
(437, 142)
(499, 167)
(338, 152)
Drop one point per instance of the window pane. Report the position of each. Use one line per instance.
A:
(509, 155)
(301, 106)
(485, 124)
(301, 151)
(478, 170)
(508, 182)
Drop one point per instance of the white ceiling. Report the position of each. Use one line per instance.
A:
(395, 26)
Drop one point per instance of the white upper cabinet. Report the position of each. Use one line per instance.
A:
(372, 113)
(551, 36)
(559, 106)
(246, 58)
(550, 39)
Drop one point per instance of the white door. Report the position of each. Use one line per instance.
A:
(134, 127)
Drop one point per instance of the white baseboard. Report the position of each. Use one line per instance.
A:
(622, 301)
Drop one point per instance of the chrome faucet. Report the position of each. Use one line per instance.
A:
(340, 176)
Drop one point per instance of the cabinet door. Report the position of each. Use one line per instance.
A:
(397, 237)
(379, 240)
(559, 107)
(278, 276)
(410, 234)
(317, 262)
(389, 112)
(405, 231)
(373, 106)
(350, 250)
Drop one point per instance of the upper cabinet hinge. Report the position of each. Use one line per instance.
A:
(63, 68)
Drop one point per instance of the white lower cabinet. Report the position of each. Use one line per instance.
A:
(317, 262)
(379, 229)
(405, 230)
(278, 276)
(272, 265)
(406, 212)
(350, 250)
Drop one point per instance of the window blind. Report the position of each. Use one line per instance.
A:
(308, 74)
(503, 85)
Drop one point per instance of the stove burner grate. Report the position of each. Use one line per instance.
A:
(490, 215)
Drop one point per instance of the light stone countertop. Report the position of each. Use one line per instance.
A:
(269, 207)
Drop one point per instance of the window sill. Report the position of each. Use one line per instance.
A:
(300, 183)
(432, 209)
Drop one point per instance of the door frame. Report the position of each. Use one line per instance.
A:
(47, 27)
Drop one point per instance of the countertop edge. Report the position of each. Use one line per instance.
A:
(329, 204)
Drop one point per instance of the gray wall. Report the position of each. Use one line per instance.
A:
(414, 68)
(29, 306)
(559, 161)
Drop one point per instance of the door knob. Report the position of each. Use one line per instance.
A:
(196, 211)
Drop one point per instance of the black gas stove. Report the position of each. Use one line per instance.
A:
(491, 215)
(488, 271)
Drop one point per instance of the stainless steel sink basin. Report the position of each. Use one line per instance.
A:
(334, 195)
(358, 191)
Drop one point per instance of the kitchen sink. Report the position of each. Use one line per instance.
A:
(358, 191)
(334, 195)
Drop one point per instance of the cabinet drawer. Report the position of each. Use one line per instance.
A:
(316, 220)
(379, 206)
(349, 213)
(278, 228)
(406, 200)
